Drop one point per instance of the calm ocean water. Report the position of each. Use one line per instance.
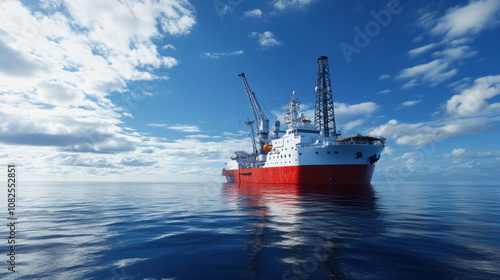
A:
(228, 231)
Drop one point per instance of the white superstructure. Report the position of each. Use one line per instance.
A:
(302, 144)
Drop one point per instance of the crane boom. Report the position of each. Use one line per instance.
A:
(259, 117)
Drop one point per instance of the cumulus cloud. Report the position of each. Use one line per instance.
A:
(456, 152)
(60, 64)
(168, 46)
(388, 151)
(352, 124)
(87, 50)
(465, 158)
(419, 134)
(253, 13)
(473, 101)
(15, 63)
(364, 108)
(464, 153)
(265, 39)
(291, 4)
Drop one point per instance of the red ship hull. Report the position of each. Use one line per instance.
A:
(306, 174)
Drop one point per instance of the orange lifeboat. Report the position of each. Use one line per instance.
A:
(267, 148)
(306, 121)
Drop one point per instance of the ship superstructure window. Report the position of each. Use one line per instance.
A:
(328, 152)
(306, 131)
(316, 152)
(336, 152)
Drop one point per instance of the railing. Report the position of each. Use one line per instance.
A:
(371, 143)
(374, 143)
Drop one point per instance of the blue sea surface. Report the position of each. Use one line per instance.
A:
(94, 230)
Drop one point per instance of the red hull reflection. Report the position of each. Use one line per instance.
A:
(302, 228)
(258, 194)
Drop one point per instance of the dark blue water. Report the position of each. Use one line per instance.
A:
(227, 231)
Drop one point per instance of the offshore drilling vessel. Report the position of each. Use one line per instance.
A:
(306, 153)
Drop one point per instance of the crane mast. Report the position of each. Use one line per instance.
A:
(249, 123)
(260, 119)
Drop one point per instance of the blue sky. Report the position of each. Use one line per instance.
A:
(148, 90)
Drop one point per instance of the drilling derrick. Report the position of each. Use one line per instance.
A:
(324, 116)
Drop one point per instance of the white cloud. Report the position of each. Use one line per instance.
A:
(434, 72)
(473, 101)
(168, 46)
(410, 103)
(384, 77)
(422, 49)
(352, 124)
(385, 91)
(455, 53)
(157, 124)
(216, 55)
(457, 152)
(65, 59)
(388, 151)
(178, 127)
(455, 29)
(418, 134)
(291, 4)
(427, 19)
(464, 158)
(411, 83)
(470, 19)
(128, 115)
(266, 39)
(199, 136)
(344, 110)
(460, 84)
(184, 128)
(253, 13)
